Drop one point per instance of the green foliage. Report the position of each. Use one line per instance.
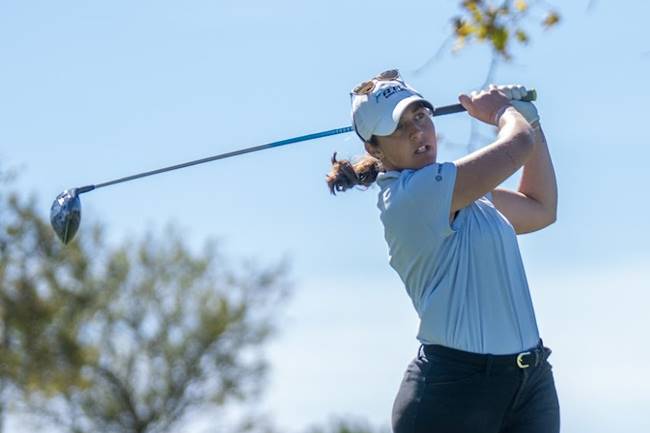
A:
(127, 339)
(483, 21)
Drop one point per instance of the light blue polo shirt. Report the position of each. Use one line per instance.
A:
(466, 280)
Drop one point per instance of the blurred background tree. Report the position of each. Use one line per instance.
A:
(129, 338)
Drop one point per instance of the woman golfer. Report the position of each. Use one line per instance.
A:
(451, 235)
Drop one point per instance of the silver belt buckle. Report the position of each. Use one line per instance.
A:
(520, 362)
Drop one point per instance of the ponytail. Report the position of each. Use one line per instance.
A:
(345, 175)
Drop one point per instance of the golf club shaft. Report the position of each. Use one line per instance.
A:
(439, 111)
(228, 155)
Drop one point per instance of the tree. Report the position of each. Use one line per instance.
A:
(132, 338)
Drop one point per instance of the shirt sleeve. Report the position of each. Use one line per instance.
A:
(430, 191)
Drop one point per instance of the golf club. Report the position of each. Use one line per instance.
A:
(65, 213)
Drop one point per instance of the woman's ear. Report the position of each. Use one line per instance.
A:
(373, 150)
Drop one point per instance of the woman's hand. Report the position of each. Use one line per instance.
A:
(517, 92)
(486, 105)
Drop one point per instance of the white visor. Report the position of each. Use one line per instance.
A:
(378, 112)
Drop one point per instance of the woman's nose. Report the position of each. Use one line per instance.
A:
(415, 131)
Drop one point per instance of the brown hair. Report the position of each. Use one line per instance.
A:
(345, 174)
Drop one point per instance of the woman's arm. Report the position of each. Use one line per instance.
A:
(481, 171)
(534, 205)
(538, 179)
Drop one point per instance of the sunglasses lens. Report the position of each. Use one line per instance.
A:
(391, 74)
(363, 88)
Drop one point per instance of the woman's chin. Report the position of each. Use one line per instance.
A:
(424, 160)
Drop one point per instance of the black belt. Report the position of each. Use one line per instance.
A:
(529, 358)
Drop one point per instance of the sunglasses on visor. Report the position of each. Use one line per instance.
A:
(368, 86)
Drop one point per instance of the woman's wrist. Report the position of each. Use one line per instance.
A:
(500, 112)
(506, 109)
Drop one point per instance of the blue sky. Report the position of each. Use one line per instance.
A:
(91, 91)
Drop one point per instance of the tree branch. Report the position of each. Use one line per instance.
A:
(474, 135)
(124, 394)
(433, 59)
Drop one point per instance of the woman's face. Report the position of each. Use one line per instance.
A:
(412, 145)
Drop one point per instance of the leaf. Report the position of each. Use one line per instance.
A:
(521, 36)
(474, 10)
(521, 5)
(500, 39)
(463, 28)
(551, 19)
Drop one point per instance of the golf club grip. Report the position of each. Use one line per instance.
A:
(458, 108)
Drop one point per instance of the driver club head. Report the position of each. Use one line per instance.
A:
(65, 215)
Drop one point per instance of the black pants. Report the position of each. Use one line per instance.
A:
(446, 390)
